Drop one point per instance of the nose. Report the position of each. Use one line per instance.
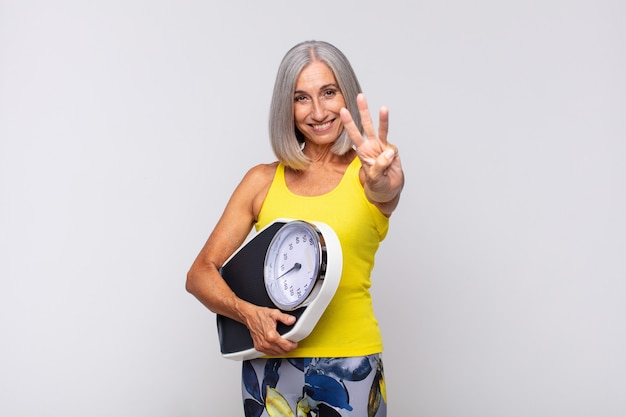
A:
(318, 110)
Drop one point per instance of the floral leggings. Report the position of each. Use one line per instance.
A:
(314, 387)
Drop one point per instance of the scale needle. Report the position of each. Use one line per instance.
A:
(295, 267)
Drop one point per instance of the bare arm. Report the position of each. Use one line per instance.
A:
(207, 285)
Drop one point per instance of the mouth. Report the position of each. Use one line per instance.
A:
(321, 127)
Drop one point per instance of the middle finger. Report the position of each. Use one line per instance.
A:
(366, 120)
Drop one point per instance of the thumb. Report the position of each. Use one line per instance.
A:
(383, 162)
(286, 319)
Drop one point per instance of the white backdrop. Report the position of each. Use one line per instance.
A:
(125, 125)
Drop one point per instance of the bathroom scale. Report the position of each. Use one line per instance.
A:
(293, 265)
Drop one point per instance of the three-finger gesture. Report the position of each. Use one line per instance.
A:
(381, 168)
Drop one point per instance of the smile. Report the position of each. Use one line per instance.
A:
(322, 127)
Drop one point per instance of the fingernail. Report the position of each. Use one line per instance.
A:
(389, 153)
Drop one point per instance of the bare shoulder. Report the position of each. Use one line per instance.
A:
(256, 184)
(260, 174)
(258, 179)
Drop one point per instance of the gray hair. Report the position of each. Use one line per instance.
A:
(286, 140)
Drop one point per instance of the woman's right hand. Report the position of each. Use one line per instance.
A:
(262, 321)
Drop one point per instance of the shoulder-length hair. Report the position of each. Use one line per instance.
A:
(285, 138)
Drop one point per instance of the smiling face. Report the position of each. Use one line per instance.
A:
(317, 101)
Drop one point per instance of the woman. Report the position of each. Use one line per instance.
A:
(326, 171)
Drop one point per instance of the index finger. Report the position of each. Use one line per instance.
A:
(351, 128)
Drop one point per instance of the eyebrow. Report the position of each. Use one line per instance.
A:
(324, 87)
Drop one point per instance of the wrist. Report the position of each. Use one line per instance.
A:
(381, 197)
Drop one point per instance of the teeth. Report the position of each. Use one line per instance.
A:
(321, 127)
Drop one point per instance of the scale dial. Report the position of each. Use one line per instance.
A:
(295, 262)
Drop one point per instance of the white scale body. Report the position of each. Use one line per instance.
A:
(292, 265)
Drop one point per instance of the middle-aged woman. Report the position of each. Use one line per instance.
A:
(335, 167)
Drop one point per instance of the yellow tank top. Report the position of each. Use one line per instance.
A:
(348, 326)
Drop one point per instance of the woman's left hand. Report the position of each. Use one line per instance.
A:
(382, 170)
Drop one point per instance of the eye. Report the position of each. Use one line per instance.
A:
(329, 93)
(300, 99)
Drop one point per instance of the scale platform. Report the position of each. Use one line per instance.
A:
(243, 272)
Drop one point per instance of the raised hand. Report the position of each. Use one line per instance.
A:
(381, 167)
